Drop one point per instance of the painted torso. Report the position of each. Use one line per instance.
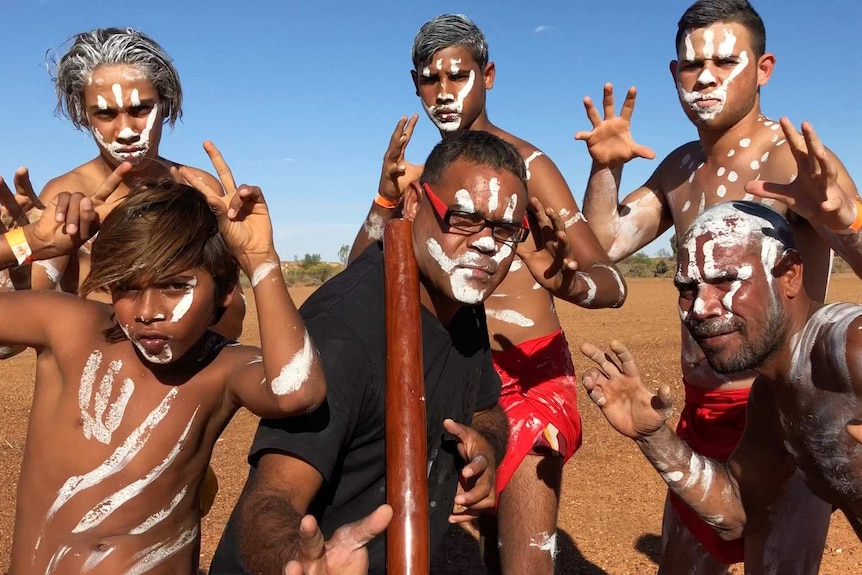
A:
(691, 181)
(114, 458)
(817, 402)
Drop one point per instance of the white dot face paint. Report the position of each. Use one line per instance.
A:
(296, 371)
(101, 102)
(185, 302)
(447, 116)
(135, 98)
(708, 104)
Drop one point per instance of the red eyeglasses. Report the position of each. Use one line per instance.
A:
(473, 223)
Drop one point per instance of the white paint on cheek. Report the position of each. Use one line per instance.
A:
(374, 227)
(725, 48)
(297, 370)
(510, 316)
(262, 271)
(185, 302)
(460, 278)
(118, 94)
(464, 201)
(135, 97)
(494, 197)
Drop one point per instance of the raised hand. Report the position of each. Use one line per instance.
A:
(477, 475)
(243, 216)
(610, 142)
(344, 553)
(553, 264)
(397, 172)
(21, 207)
(815, 193)
(615, 386)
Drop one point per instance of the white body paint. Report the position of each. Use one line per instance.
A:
(591, 289)
(374, 226)
(263, 270)
(149, 558)
(185, 302)
(99, 425)
(297, 370)
(545, 542)
(528, 161)
(510, 316)
(160, 515)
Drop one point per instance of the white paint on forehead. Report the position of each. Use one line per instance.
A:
(185, 302)
(118, 460)
(118, 94)
(453, 65)
(439, 63)
(494, 197)
(262, 271)
(708, 43)
(464, 201)
(725, 48)
(510, 316)
(107, 506)
(135, 97)
(689, 48)
(426, 71)
(509, 213)
(530, 158)
(296, 371)
(101, 102)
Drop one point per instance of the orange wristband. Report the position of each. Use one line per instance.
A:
(857, 223)
(18, 242)
(385, 202)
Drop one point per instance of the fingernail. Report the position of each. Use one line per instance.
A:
(231, 213)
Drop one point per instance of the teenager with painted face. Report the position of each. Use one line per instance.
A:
(720, 68)
(121, 86)
(131, 396)
(468, 212)
(452, 74)
(742, 298)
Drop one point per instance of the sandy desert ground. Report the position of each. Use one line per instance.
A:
(612, 499)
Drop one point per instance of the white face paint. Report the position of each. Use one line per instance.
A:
(453, 65)
(464, 201)
(447, 116)
(461, 269)
(101, 102)
(135, 98)
(132, 152)
(719, 93)
(426, 71)
(185, 302)
(118, 94)
(494, 196)
(296, 371)
(164, 356)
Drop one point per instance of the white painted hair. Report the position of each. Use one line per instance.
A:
(749, 223)
(114, 46)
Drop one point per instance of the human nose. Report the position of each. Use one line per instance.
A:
(707, 76)
(484, 240)
(127, 133)
(444, 93)
(147, 309)
(708, 303)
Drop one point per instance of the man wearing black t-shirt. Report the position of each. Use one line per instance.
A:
(468, 212)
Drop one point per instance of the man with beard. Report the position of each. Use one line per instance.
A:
(720, 67)
(742, 298)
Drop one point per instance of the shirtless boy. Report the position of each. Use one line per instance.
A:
(120, 85)
(743, 300)
(720, 67)
(451, 73)
(131, 396)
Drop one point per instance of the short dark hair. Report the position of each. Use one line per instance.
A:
(160, 229)
(704, 13)
(449, 30)
(477, 147)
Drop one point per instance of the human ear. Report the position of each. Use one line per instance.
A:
(672, 66)
(412, 198)
(765, 66)
(415, 76)
(788, 271)
(488, 75)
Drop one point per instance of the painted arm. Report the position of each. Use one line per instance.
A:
(622, 228)
(822, 192)
(717, 492)
(396, 175)
(570, 262)
(294, 381)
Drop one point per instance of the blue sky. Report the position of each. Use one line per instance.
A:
(301, 97)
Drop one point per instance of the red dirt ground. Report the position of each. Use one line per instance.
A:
(610, 516)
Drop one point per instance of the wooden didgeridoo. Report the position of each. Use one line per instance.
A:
(407, 539)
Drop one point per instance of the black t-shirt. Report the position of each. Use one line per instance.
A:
(344, 439)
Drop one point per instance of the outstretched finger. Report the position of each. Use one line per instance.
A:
(608, 100)
(592, 113)
(629, 104)
(7, 200)
(663, 400)
(225, 176)
(214, 198)
(112, 182)
(243, 201)
(590, 380)
(795, 141)
(360, 533)
(25, 188)
(770, 191)
(627, 360)
(600, 358)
